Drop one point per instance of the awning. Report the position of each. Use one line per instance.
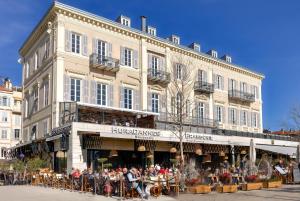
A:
(141, 112)
(55, 137)
(285, 150)
(21, 145)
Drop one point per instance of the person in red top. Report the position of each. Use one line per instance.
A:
(76, 174)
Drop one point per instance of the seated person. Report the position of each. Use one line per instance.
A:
(133, 180)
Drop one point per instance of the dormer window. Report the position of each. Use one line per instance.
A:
(227, 58)
(175, 39)
(124, 20)
(213, 53)
(195, 46)
(151, 30)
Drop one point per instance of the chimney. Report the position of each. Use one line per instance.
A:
(144, 23)
(7, 84)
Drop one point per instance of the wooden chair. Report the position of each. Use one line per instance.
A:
(174, 185)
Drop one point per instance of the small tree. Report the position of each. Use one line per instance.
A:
(35, 164)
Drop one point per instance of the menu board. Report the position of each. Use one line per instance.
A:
(281, 170)
(296, 172)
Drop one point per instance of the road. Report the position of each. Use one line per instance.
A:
(30, 193)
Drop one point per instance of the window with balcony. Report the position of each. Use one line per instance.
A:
(200, 110)
(232, 116)
(154, 65)
(101, 94)
(128, 57)
(3, 152)
(244, 87)
(75, 43)
(17, 134)
(75, 89)
(155, 102)
(128, 96)
(254, 120)
(219, 114)
(101, 48)
(219, 82)
(4, 134)
(244, 118)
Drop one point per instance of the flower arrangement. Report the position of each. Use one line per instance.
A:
(225, 178)
(251, 178)
(192, 182)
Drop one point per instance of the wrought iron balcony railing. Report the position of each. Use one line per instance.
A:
(205, 87)
(104, 62)
(240, 95)
(159, 76)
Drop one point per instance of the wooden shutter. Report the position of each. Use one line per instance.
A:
(93, 93)
(85, 93)
(109, 49)
(223, 114)
(122, 56)
(110, 94)
(67, 41)
(149, 61)
(84, 45)
(121, 97)
(95, 46)
(67, 88)
(137, 99)
(135, 59)
(229, 116)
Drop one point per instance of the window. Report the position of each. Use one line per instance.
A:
(46, 93)
(3, 152)
(101, 48)
(232, 113)
(75, 89)
(254, 120)
(5, 101)
(201, 76)
(231, 84)
(244, 118)
(101, 94)
(219, 81)
(154, 102)
(219, 114)
(154, 66)
(45, 127)
(27, 68)
(47, 48)
(255, 92)
(4, 116)
(244, 87)
(4, 134)
(128, 93)
(128, 57)
(35, 99)
(17, 134)
(178, 103)
(33, 133)
(151, 31)
(200, 110)
(36, 62)
(75, 43)
(179, 71)
(125, 22)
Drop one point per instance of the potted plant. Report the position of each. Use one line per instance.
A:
(226, 184)
(253, 183)
(273, 182)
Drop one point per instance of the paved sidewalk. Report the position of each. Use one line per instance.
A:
(30, 193)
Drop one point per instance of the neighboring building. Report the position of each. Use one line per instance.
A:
(10, 116)
(88, 80)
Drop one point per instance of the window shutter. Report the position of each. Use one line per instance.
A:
(110, 95)
(67, 41)
(204, 76)
(222, 82)
(137, 99)
(223, 114)
(135, 59)
(121, 97)
(122, 56)
(248, 119)
(237, 116)
(93, 93)
(241, 117)
(215, 112)
(95, 46)
(85, 93)
(67, 87)
(229, 116)
(163, 103)
(84, 45)
(258, 120)
(215, 81)
(257, 92)
(175, 71)
(206, 110)
(149, 61)
(41, 94)
(229, 85)
(149, 101)
(41, 55)
(109, 49)
(162, 63)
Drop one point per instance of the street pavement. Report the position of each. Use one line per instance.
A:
(30, 193)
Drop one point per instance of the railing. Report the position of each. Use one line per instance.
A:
(104, 62)
(186, 120)
(203, 87)
(158, 75)
(240, 95)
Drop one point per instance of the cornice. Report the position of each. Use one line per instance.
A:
(59, 8)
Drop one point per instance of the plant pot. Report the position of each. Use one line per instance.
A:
(272, 184)
(227, 188)
(252, 186)
(199, 189)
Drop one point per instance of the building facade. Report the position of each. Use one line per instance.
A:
(93, 85)
(10, 116)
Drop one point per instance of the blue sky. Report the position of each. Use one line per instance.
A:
(261, 35)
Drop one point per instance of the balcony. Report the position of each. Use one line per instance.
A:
(204, 87)
(159, 76)
(241, 96)
(104, 63)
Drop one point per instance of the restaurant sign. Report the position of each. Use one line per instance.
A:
(197, 137)
(146, 134)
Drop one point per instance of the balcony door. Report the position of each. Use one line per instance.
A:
(154, 66)
(101, 50)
